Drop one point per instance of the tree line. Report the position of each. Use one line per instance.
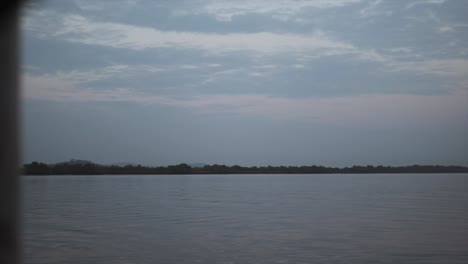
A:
(39, 168)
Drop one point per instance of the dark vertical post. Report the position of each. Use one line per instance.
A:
(9, 170)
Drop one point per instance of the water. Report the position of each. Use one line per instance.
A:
(358, 219)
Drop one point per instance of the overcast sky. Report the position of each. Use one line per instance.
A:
(256, 82)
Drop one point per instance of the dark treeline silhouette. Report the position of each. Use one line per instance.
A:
(38, 168)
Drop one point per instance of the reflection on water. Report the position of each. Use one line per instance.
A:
(246, 219)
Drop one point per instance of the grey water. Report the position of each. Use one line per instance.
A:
(380, 218)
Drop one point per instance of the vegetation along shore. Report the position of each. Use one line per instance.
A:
(77, 167)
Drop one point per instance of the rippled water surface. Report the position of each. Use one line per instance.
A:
(358, 219)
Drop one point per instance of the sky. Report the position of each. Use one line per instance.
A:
(255, 82)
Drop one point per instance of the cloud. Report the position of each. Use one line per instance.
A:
(445, 29)
(348, 110)
(369, 109)
(440, 25)
(189, 67)
(425, 2)
(224, 10)
(80, 85)
(90, 5)
(92, 75)
(451, 27)
(117, 71)
(305, 47)
(372, 10)
(60, 88)
(79, 29)
(440, 67)
(218, 75)
(298, 66)
(301, 48)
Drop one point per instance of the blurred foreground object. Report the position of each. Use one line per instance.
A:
(9, 172)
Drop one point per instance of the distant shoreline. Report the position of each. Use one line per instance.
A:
(88, 168)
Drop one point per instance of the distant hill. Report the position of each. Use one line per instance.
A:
(197, 165)
(123, 164)
(73, 162)
(80, 162)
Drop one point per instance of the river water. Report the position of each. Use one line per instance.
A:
(367, 218)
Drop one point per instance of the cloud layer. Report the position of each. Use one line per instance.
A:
(282, 9)
(76, 28)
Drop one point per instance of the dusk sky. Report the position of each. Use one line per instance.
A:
(280, 82)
